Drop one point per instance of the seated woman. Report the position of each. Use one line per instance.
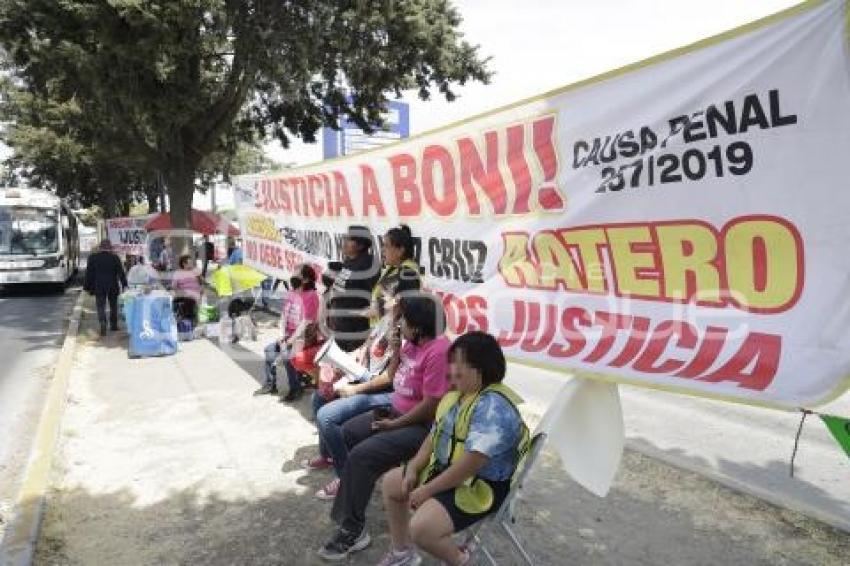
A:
(462, 472)
(142, 274)
(300, 308)
(400, 275)
(372, 446)
(352, 289)
(187, 289)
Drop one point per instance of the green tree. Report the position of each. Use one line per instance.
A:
(171, 82)
(59, 148)
(241, 159)
(91, 215)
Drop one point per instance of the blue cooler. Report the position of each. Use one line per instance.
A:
(125, 306)
(151, 325)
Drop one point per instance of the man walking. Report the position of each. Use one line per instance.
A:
(207, 255)
(104, 279)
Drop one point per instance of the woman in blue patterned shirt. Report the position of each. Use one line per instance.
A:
(463, 470)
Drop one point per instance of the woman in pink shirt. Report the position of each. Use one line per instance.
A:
(186, 282)
(300, 308)
(186, 287)
(377, 442)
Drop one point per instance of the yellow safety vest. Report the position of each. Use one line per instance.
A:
(376, 290)
(408, 263)
(475, 495)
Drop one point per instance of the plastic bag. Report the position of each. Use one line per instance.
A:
(207, 313)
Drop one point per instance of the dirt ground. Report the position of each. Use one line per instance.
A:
(171, 461)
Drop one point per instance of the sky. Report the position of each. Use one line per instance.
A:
(539, 45)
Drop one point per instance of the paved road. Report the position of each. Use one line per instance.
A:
(32, 326)
(744, 447)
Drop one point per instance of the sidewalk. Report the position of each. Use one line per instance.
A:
(747, 448)
(172, 461)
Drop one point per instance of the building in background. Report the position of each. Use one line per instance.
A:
(350, 139)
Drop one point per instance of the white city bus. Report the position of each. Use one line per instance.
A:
(39, 239)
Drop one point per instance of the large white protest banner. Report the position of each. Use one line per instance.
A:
(680, 223)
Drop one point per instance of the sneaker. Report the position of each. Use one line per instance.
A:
(293, 395)
(328, 493)
(318, 463)
(344, 543)
(406, 557)
(265, 390)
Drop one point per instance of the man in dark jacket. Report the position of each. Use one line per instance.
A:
(105, 279)
(352, 291)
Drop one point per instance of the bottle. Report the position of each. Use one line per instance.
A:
(225, 329)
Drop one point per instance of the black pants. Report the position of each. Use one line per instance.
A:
(100, 301)
(238, 306)
(370, 455)
(186, 307)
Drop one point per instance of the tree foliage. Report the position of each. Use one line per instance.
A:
(167, 84)
(56, 146)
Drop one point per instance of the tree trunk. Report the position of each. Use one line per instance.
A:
(152, 196)
(110, 202)
(180, 184)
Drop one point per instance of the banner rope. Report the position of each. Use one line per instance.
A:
(805, 413)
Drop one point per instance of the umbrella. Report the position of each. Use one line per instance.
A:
(230, 279)
(202, 221)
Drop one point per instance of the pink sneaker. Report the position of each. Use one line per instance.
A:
(406, 557)
(318, 463)
(328, 493)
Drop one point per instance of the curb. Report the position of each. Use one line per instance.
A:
(841, 522)
(795, 505)
(18, 545)
(746, 488)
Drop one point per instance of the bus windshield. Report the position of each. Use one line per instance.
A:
(28, 230)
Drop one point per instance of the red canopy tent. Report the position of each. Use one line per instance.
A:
(203, 222)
